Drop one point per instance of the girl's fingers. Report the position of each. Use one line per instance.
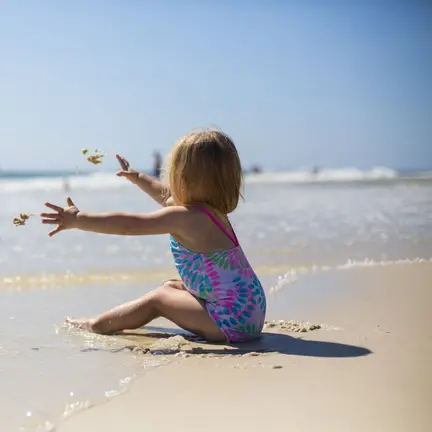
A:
(123, 173)
(51, 221)
(55, 231)
(123, 163)
(70, 202)
(49, 215)
(54, 207)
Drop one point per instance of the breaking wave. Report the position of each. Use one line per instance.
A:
(99, 181)
(293, 275)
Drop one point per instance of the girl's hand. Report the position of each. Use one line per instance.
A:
(126, 171)
(64, 218)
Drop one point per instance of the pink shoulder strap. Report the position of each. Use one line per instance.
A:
(233, 237)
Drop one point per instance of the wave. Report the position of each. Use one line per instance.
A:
(330, 175)
(98, 181)
(293, 274)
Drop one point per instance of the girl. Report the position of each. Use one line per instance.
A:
(219, 297)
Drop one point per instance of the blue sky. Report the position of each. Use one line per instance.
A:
(295, 83)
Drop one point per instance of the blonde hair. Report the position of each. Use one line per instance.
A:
(204, 167)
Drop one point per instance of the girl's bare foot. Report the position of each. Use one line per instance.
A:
(82, 324)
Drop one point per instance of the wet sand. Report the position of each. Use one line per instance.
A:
(366, 368)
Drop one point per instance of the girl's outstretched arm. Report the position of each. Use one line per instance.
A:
(163, 221)
(167, 220)
(146, 183)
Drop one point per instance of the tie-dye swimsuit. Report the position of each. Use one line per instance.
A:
(232, 292)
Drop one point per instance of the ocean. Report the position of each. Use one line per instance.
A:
(292, 224)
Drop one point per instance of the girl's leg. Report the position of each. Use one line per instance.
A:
(175, 283)
(170, 301)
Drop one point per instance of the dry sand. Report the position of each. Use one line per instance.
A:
(368, 369)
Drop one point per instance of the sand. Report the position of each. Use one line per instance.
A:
(367, 368)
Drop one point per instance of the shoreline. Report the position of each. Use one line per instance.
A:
(290, 274)
(367, 370)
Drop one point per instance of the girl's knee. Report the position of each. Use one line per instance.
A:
(174, 284)
(161, 297)
(158, 297)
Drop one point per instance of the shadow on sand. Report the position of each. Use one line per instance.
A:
(268, 343)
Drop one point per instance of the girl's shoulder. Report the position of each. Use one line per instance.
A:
(203, 232)
(186, 218)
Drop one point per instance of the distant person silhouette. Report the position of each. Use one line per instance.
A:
(66, 186)
(157, 166)
(256, 169)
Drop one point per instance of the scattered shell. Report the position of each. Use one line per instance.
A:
(140, 350)
(169, 345)
(292, 326)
